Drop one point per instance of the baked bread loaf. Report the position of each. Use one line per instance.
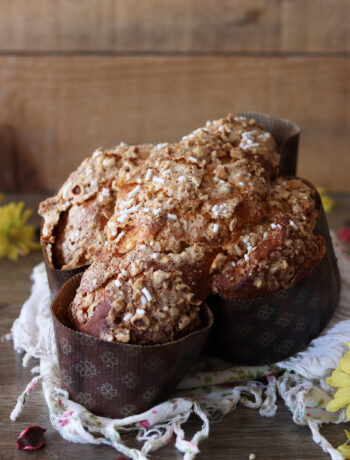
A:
(74, 219)
(143, 297)
(278, 251)
(206, 215)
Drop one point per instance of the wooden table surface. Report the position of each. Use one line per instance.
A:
(238, 434)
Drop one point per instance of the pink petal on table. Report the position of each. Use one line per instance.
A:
(31, 438)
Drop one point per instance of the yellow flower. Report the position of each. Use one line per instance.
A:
(327, 201)
(340, 378)
(344, 449)
(16, 238)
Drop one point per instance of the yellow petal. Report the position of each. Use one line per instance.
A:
(17, 209)
(24, 248)
(28, 231)
(12, 253)
(344, 364)
(327, 201)
(34, 245)
(3, 249)
(27, 213)
(16, 238)
(334, 405)
(339, 379)
(341, 399)
(344, 450)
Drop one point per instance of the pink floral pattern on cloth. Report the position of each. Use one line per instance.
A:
(213, 387)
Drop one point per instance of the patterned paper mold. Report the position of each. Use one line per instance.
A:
(115, 379)
(272, 328)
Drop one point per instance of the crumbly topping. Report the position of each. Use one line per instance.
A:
(74, 219)
(144, 300)
(213, 180)
(276, 252)
(204, 215)
(295, 196)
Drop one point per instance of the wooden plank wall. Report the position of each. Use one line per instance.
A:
(78, 74)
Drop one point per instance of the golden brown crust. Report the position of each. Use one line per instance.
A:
(281, 258)
(198, 190)
(278, 251)
(143, 299)
(74, 219)
(201, 216)
(80, 232)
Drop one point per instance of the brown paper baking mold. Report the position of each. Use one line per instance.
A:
(115, 379)
(286, 134)
(271, 328)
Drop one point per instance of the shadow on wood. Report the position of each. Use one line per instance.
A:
(8, 160)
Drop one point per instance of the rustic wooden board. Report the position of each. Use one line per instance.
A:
(8, 159)
(62, 108)
(268, 26)
(235, 437)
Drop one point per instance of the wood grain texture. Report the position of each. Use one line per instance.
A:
(62, 108)
(235, 437)
(253, 26)
(8, 159)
